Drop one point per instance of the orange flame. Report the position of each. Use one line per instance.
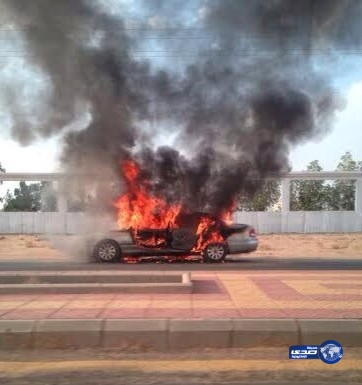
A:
(226, 214)
(207, 232)
(138, 209)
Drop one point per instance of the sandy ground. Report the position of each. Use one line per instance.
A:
(211, 366)
(276, 245)
(41, 247)
(310, 245)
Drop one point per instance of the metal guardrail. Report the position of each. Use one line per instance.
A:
(29, 176)
(317, 175)
(294, 175)
(285, 177)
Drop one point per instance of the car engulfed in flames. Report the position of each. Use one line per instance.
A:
(150, 226)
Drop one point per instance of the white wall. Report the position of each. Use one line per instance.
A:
(51, 223)
(264, 222)
(302, 221)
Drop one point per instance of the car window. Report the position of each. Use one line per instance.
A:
(188, 220)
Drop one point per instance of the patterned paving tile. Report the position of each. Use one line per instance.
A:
(132, 297)
(317, 288)
(221, 295)
(339, 286)
(18, 297)
(215, 313)
(28, 314)
(172, 296)
(262, 313)
(56, 297)
(277, 290)
(78, 304)
(311, 304)
(94, 297)
(211, 297)
(3, 311)
(123, 313)
(302, 275)
(43, 305)
(11, 305)
(76, 313)
(337, 297)
(349, 313)
(162, 304)
(141, 304)
(246, 291)
(169, 313)
(208, 286)
(312, 313)
(213, 304)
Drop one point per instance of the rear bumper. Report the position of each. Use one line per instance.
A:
(243, 246)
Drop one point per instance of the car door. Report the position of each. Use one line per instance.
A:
(184, 236)
(151, 238)
(183, 239)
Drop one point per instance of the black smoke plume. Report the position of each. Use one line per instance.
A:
(235, 91)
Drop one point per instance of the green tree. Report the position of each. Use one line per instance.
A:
(342, 196)
(310, 195)
(30, 197)
(263, 200)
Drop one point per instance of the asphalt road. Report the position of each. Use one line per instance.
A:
(249, 263)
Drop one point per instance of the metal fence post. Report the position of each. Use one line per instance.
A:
(285, 205)
(358, 196)
(62, 206)
(285, 195)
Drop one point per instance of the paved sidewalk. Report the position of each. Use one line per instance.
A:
(232, 295)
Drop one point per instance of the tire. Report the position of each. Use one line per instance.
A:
(214, 253)
(107, 251)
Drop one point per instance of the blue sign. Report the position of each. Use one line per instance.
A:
(329, 352)
(303, 352)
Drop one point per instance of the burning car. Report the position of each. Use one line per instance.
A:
(189, 234)
(149, 225)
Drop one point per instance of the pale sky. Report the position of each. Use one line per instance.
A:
(346, 135)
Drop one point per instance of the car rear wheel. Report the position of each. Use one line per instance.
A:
(214, 252)
(107, 250)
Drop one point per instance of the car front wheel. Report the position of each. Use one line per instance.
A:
(214, 252)
(107, 250)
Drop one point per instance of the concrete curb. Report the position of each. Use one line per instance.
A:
(175, 334)
(94, 282)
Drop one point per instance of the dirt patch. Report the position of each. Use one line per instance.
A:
(196, 366)
(276, 245)
(27, 247)
(310, 245)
